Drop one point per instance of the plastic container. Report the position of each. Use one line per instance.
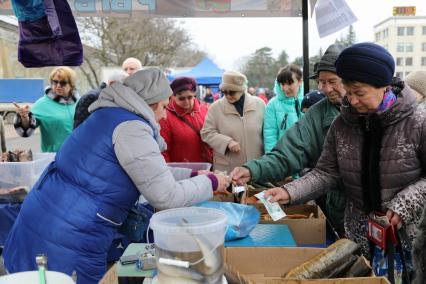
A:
(24, 173)
(32, 277)
(193, 236)
(192, 166)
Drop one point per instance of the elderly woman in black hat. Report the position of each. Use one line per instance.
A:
(377, 147)
(181, 128)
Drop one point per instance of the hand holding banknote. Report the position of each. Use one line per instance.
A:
(273, 208)
(278, 194)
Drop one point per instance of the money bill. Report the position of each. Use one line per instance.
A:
(274, 209)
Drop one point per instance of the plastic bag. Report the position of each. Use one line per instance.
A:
(136, 223)
(380, 265)
(241, 218)
(48, 34)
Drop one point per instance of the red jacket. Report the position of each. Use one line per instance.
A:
(184, 144)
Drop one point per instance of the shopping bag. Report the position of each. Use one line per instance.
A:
(48, 34)
(241, 218)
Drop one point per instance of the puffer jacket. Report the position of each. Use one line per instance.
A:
(399, 177)
(280, 114)
(181, 131)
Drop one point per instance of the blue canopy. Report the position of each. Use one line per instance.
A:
(205, 73)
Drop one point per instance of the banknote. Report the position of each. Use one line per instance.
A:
(274, 209)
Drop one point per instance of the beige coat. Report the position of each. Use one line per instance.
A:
(223, 124)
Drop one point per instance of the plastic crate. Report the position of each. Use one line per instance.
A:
(192, 166)
(24, 173)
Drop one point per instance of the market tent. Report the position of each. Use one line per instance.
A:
(206, 73)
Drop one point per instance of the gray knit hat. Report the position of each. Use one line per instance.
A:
(327, 61)
(233, 81)
(417, 81)
(151, 84)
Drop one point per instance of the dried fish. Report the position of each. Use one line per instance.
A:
(13, 195)
(322, 265)
(19, 155)
(359, 269)
(235, 277)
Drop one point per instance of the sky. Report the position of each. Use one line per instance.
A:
(228, 40)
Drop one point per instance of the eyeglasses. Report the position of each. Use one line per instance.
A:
(60, 83)
(185, 98)
(229, 93)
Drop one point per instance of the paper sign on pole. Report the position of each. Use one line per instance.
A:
(332, 16)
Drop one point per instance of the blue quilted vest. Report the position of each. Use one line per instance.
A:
(77, 205)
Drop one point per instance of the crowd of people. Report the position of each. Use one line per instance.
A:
(356, 145)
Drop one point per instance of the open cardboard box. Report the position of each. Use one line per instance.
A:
(266, 265)
(311, 231)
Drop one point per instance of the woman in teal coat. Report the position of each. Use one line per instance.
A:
(53, 113)
(285, 108)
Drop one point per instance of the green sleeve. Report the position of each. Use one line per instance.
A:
(297, 149)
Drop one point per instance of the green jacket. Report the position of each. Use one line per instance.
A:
(300, 148)
(55, 121)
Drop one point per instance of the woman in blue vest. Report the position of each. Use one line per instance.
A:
(82, 198)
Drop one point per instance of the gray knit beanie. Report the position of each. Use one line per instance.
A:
(327, 61)
(417, 81)
(151, 84)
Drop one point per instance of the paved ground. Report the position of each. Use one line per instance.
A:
(14, 141)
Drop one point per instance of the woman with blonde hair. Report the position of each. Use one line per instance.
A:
(53, 113)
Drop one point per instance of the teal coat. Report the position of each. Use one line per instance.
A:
(281, 113)
(300, 148)
(55, 121)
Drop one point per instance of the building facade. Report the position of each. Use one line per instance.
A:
(405, 38)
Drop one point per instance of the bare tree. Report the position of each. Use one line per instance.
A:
(154, 41)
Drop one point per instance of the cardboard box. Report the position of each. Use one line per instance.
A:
(268, 265)
(110, 276)
(311, 231)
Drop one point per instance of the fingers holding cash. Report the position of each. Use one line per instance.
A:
(278, 194)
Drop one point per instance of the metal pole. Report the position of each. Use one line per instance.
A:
(305, 46)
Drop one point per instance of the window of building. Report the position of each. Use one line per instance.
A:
(424, 46)
(424, 30)
(399, 61)
(409, 61)
(410, 31)
(378, 36)
(404, 47)
(385, 33)
(401, 31)
(423, 61)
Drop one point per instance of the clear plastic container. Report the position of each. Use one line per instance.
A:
(189, 244)
(192, 166)
(24, 173)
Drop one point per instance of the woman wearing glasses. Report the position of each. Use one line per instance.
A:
(53, 113)
(181, 128)
(234, 123)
